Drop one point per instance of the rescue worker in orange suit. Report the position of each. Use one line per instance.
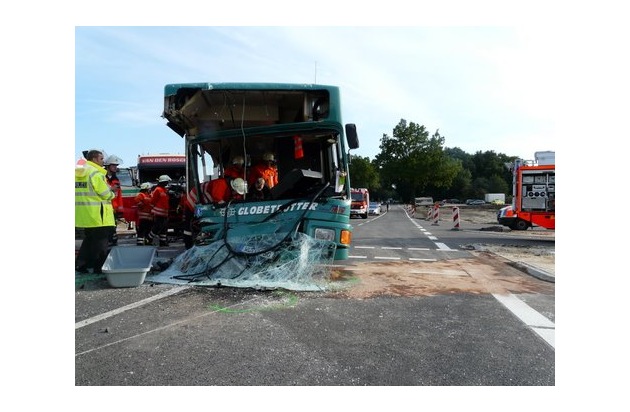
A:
(93, 212)
(236, 169)
(111, 165)
(219, 191)
(160, 203)
(145, 217)
(266, 169)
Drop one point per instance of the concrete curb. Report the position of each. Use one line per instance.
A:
(533, 271)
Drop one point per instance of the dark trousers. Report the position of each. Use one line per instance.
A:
(94, 248)
(188, 232)
(143, 230)
(159, 229)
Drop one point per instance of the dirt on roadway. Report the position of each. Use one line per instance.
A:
(491, 271)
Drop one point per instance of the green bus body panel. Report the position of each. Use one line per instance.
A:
(248, 218)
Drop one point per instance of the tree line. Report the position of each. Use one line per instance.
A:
(411, 163)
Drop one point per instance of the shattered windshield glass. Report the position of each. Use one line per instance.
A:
(292, 261)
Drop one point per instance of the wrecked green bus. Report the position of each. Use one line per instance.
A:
(300, 124)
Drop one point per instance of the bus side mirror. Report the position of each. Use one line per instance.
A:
(351, 136)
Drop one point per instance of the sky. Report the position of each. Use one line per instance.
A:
(482, 88)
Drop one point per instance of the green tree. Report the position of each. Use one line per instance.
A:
(487, 164)
(415, 162)
(363, 173)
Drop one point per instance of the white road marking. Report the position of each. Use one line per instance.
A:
(357, 257)
(122, 309)
(165, 326)
(419, 248)
(424, 260)
(537, 322)
(363, 247)
(386, 257)
(391, 248)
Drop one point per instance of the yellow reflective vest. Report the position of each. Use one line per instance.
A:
(93, 197)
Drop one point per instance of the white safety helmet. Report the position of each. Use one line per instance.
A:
(164, 178)
(145, 186)
(269, 156)
(238, 160)
(239, 185)
(112, 160)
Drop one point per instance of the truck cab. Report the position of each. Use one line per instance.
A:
(360, 202)
(534, 194)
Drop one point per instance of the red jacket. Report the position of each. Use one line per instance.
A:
(159, 201)
(269, 173)
(143, 202)
(217, 191)
(191, 199)
(234, 171)
(117, 201)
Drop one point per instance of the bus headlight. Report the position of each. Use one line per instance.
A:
(325, 234)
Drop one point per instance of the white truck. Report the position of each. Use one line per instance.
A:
(423, 201)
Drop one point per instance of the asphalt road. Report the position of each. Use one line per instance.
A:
(417, 310)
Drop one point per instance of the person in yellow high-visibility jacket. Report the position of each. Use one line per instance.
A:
(93, 212)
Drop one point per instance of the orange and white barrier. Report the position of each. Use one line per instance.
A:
(436, 216)
(455, 218)
(429, 213)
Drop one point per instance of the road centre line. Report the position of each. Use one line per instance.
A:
(386, 258)
(441, 247)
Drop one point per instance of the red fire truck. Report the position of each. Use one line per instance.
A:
(360, 202)
(534, 194)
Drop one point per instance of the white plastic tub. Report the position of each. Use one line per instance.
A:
(127, 266)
